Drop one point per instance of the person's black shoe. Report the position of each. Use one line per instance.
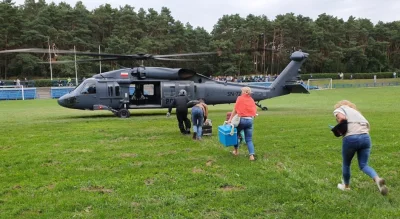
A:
(188, 132)
(194, 135)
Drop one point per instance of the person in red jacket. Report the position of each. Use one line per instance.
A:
(246, 108)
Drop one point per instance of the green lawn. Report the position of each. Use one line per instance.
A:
(63, 163)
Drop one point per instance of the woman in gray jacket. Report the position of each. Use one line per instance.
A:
(356, 140)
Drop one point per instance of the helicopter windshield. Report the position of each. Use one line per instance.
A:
(87, 87)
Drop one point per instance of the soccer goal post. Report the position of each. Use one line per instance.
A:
(319, 84)
(12, 92)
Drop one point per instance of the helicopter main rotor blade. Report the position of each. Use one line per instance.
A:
(185, 54)
(180, 60)
(71, 52)
(80, 61)
(121, 57)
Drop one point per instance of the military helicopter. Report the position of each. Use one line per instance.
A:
(155, 87)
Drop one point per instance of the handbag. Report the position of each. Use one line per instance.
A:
(235, 120)
(341, 128)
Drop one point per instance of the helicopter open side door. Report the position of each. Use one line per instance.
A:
(145, 94)
(170, 89)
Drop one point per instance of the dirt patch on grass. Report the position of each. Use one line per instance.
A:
(197, 170)
(209, 163)
(149, 182)
(135, 204)
(228, 188)
(153, 138)
(99, 189)
(120, 139)
(280, 166)
(51, 186)
(128, 155)
(17, 187)
(51, 163)
(212, 214)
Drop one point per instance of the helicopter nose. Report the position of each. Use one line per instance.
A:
(61, 101)
(67, 101)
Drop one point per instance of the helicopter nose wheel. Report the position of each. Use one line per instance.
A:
(123, 113)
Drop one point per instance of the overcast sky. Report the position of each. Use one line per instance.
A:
(205, 13)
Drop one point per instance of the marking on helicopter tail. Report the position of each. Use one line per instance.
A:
(124, 74)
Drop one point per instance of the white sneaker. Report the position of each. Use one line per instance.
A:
(342, 187)
(382, 186)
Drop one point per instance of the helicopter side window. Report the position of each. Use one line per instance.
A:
(117, 90)
(148, 89)
(110, 90)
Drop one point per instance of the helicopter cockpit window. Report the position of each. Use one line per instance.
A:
(89, 88)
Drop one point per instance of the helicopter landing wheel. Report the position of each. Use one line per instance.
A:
(264, 108)
(124, 113)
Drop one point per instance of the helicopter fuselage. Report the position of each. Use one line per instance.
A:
(153, 87)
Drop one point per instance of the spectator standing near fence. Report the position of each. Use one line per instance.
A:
(18, 83)
(374, 78)
(394, 74)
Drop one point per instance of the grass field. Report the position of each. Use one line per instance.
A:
(63, 163)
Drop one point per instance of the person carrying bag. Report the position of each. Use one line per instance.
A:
(356, 139)
(246, 109)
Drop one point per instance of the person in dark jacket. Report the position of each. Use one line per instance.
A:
(181, 104)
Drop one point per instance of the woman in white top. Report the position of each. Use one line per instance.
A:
(356, 140)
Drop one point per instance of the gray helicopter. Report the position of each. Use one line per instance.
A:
(154, 87)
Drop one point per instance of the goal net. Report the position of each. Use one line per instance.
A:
(319, 84)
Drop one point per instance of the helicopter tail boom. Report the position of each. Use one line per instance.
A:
(286, 82)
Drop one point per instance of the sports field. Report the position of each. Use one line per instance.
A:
(62, 163)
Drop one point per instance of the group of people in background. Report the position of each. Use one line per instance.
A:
(246, 78)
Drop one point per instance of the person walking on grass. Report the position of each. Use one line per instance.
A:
(356, 140)
(180, 102)
(246, 108)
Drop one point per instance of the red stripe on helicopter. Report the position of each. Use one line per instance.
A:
(124, 74)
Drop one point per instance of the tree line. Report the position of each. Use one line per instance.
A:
(334, 45)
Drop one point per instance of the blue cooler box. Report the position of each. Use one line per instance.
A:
(225, 137)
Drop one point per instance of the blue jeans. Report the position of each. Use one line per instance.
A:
(197, 120)
(247, 126)
(362, 145)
